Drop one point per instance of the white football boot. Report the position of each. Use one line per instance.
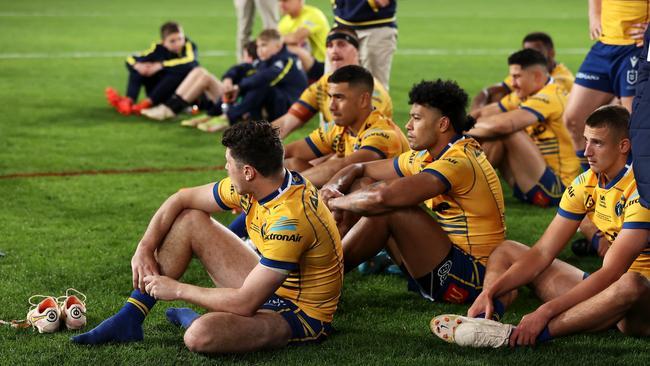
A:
(160, 112)
(73, 309)
(45, 315)
(471, 332)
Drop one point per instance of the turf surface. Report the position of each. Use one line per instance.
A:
(80, 231)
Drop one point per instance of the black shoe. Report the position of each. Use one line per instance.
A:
(583, 248)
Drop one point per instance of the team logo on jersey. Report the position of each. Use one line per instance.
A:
(632, 76)
(618, 209)
(443, 271)
(634, 60)
(589, 202)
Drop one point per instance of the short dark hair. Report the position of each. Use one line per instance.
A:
(615, 117)
(447, 97)
(255, 143)
(251, 49)
(169, 28)
(527, 57)
(354, 75)
(542, 37)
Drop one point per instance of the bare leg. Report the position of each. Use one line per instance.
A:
(627, 103)
(581, 103)
(420, 242)
(197, 82)
(523, 160)
(624, 303)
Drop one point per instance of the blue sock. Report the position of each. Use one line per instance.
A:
(238, 226)
(583, 160)
(125, 326)
(499, 310)
(544, 336)
(183, 317)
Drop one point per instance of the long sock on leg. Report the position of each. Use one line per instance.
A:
(544, 336)
(176, 103)
(125, 326)
(499, 310)
(238, 226)
(183, 317)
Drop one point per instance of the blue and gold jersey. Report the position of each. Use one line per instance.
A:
(472, 209)
(312, 19)
(362, 14)
(378, 134)
(549, 132)
(173, 62)
(616, 18)
(294, 231)
(611, 207)
(561, 75)
(316, 99)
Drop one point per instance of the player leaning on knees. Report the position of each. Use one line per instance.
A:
(617, 294)
(523, 134)
(286, 296)
(451, 175)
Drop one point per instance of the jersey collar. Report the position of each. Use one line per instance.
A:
(450, 144)
(621, 174)
(283, 188)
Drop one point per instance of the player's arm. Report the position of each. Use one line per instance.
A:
(595, 27)
(535, 260)
(375, 170)
(258, 286)
(319, 175)
(199, 198)
(300, 150)
(502, 123)
(287, 123)
(384, 196)
(486, 96)
(626, 247)
(489, 110)
(297, 37)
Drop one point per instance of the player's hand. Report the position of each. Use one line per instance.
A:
(529, 328)
(143, 264)
(636, 32)
(154, 67)
(327, 193)
(482, 304)
(595, 29)
(161, 287)
(382, 3)
(141, 67)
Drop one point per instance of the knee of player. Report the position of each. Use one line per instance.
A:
(631, 287)
(199, 336)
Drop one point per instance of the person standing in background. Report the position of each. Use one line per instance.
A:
(245, 9)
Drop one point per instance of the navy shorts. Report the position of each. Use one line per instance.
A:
(457, 279)
(304, 329)
(611, 69)
(547, 192)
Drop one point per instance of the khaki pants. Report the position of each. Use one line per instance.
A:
(268, 10)
(376, 49)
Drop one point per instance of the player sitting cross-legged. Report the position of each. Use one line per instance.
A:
(617, 294)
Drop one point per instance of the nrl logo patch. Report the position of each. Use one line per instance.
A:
(632, 76)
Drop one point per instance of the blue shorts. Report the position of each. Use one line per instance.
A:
(304, 329)
(547, 192)
(457, 279)
(611, 69)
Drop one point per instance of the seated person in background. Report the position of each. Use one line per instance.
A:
(537, 41)
(204, 89)
(305, 27)
(160, 69)
(285, 295)
(342, 50)
(617, 294)
(358, 133)
(276, 83)
(447, 171)
(524, 136)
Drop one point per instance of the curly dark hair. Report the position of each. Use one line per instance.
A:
(255, 143)
(527, 57)
(446, 96)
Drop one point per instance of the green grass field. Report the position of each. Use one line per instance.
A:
(80, 231)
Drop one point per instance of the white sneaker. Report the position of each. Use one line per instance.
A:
(160, 112)
(45, 315)
(471, 332)
(73, 309)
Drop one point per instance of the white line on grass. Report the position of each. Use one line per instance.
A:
(224, 53)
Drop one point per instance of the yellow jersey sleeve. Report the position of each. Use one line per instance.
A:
(381, 100)
(284, 241)
(507, 83)
(405, 164)
(385, 143)
(308, 104)
(509, 103)
(543, 106)
(453, 172)
(225, 195)
(575, 199)
(321, 139)
(636, 216)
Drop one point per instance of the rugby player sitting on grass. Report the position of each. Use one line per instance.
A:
(288, 295)
(616, 295)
